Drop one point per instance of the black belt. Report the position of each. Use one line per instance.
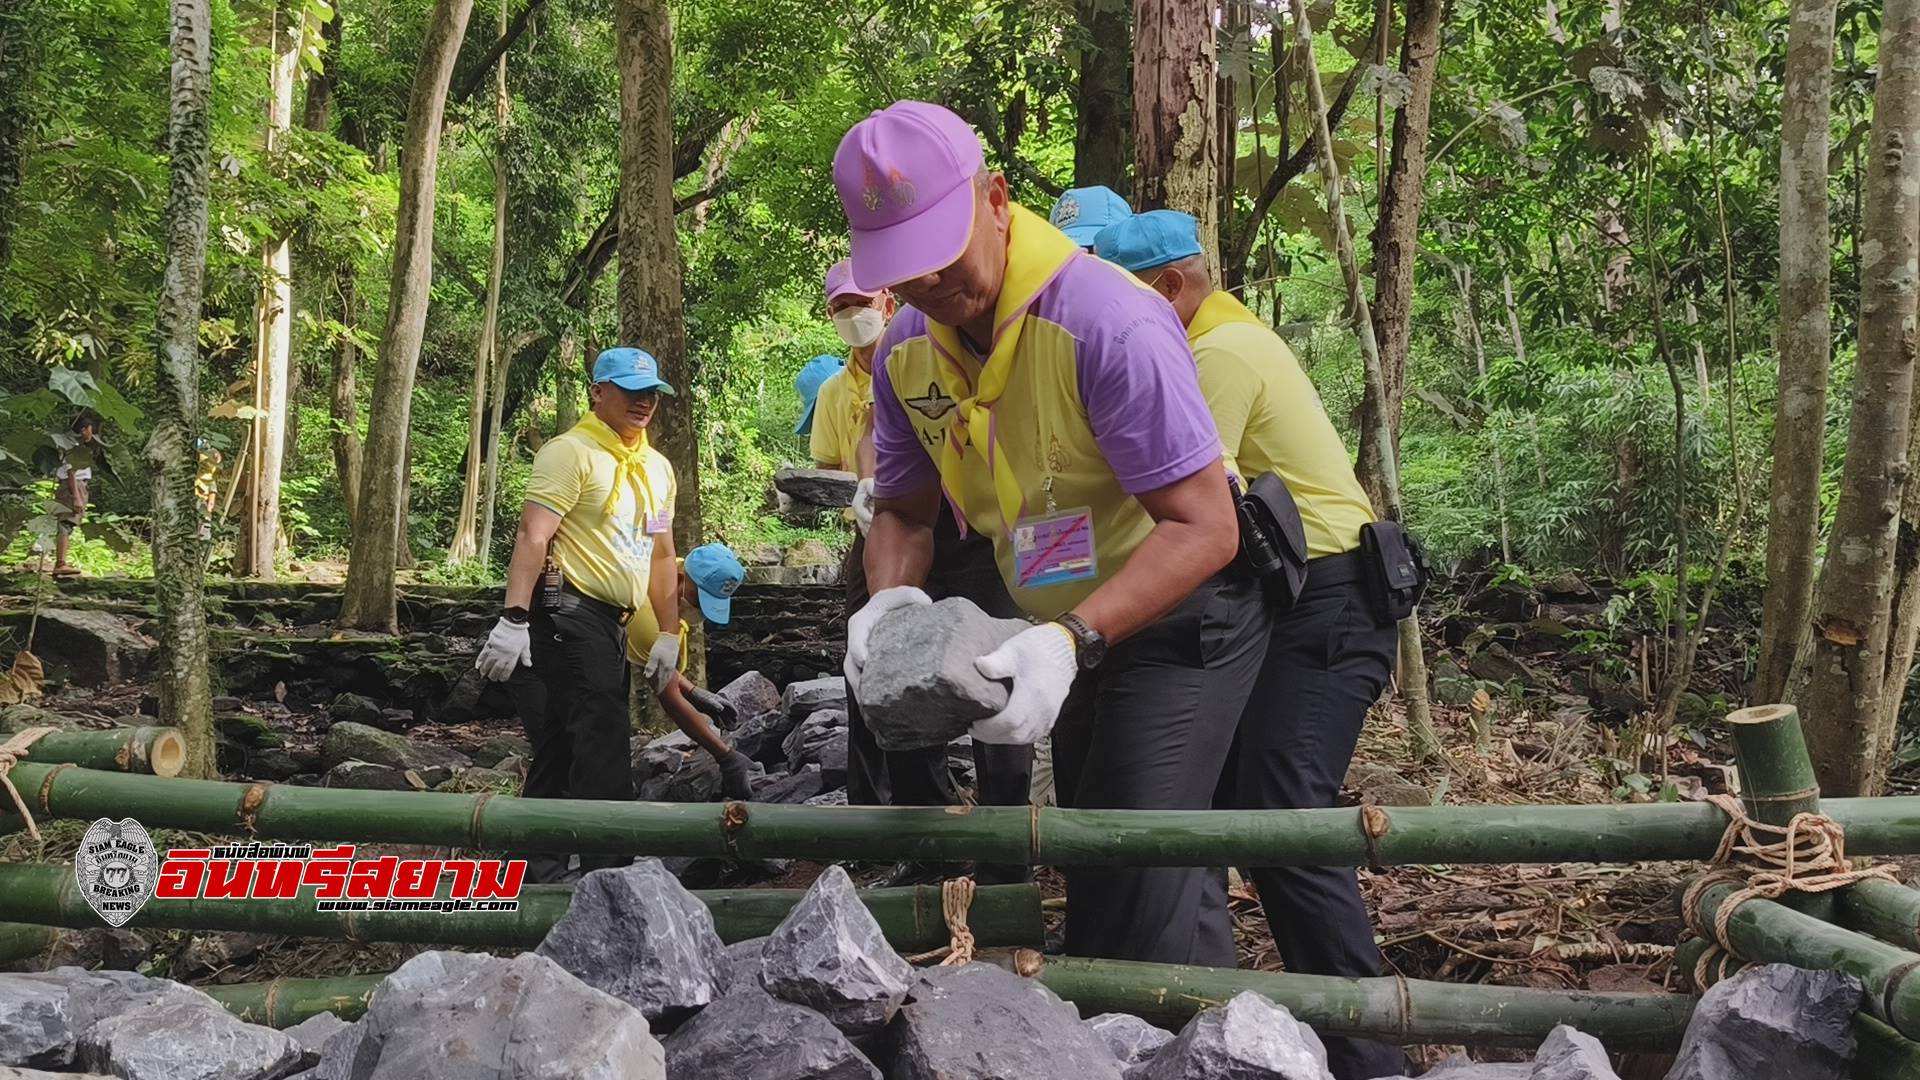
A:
(1331, 570)
(612, 611)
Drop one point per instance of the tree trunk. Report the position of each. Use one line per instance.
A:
(1853, 615)
(343, 405)
(466, 522)
(566, 384)
(179, 552)
(1103, 140)
(1805, 342)
(1173, 113)
(1396, 239)
(1425, 743)
(1470, 321)
(273, 320)
(321, 84)
(20, 46)
(1519, 340)
(369, 602)
(495, 278)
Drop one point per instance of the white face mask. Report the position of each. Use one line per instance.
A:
(860, 327)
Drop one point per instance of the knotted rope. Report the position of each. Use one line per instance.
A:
(956, 896)
(11, 752)
(1809, 856)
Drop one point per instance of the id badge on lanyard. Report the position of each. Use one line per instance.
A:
(1054, 549)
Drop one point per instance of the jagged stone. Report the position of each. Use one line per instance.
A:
(978, 1022)
(811, 555)
(35, 1074)
(1461, 1067)
(315, 1030)
(760, 737)
(217, 949)
(1772, 1020)
(1571, 1054)
(44, 1014)
(273, 765)
(638, 934)
(752, 694)
(690, 776)
(831, 956)
(803, 699)
(182, 1039)
(920, 687)
(1131, 1039)
(793, 788)
(744, 960)
(1248, 1038)
(95, 647)
(367, 776)
(753, 1036)
(836, 797)
(244, 729)
(124, 950)
(489, 754)
(349, 741)
(820, 487)
(468, 1016)
(356, 709)
(809, 741)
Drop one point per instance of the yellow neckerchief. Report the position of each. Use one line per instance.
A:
(1219, 308)
(629, 465)
(1036, 252)
(859, 403)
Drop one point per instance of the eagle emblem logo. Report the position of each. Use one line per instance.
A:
(933, 405)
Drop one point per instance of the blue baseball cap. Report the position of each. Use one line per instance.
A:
(808, 383)
(1084, 211)
(716, 572)
(1149, 240)
(630, 369)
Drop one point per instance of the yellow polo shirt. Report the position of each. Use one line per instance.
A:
(606, 554)
(1271, 420)
(644, 629)
(840, 417)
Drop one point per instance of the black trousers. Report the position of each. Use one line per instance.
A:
(1151, 728)
(1004, 774)
(573, 705)
(1327, 662)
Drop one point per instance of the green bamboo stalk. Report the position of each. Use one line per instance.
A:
(1762, 931)
(1881, 909)
(1881, 1053)
(912, 917)
(1776, 774)
(158, 751)
(20, 940)
(1406, 1011)
(1333, 837)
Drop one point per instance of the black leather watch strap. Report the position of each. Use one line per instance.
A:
(1092, 648)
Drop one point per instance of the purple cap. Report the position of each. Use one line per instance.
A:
(905, 176)
(840, 282)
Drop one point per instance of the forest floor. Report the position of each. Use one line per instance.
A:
(1559, 684)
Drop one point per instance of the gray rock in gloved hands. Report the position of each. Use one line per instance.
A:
(920, 687)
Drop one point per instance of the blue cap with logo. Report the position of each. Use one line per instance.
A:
(808, 383)
(1145, 241)
(1082, 212)
(630, 369)
(716, 572)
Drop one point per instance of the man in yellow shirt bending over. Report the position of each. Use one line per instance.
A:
(708, 577)
(595, 544)
(1328, 657)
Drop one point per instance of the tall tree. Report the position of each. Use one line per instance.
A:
(369, 602)
(1103, 139)
(490, 322)
(1805, 339)
(1396, 236)
(19, 55)
(1173, 113)
(273, 316)
(649, 292)
(179, 553)
(1851, 643)
(1413, 660)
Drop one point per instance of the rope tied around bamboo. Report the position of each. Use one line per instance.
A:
(11, 752)
(1809, 856)
(956, 896)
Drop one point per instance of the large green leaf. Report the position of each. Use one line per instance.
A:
(76, 386)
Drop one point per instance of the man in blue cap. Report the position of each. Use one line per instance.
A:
(1329, 656)
(1082, 212)
(813, 375)
(708, 577)
(594, 545)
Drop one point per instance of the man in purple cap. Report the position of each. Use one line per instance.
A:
(1053, 401)
(842, 438)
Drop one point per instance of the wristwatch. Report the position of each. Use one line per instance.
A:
(518, 615)
(1093, 647)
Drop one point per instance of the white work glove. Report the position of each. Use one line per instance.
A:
(1041, 663)
(861, 625)
(663, 662)
(863, 505)
(507, 647)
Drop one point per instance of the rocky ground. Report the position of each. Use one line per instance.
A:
(1554, 668)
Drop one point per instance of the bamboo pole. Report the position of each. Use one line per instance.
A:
(20, 940)
(911, 917)
(1407, 1011)
(1363, 836)
(158, 751)
(1881, 909)
(1766, 932)
(1776, 773)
